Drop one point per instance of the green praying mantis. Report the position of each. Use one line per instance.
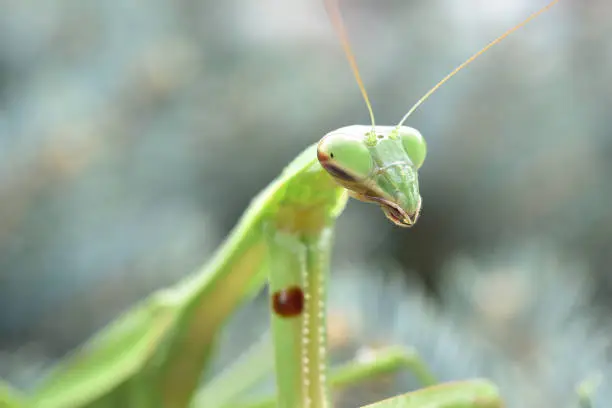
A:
(155, 354)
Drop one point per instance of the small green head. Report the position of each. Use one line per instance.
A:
(379, 166)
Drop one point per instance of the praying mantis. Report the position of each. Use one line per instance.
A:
(154, 354)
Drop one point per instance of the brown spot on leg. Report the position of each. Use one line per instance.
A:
(288, 302)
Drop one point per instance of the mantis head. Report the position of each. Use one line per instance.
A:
(377, 166)
(379, 163)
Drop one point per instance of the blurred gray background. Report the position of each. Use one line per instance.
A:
(134, 133)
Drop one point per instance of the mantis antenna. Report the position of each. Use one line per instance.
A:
(472, 58)
(335, 16)
(336, 19)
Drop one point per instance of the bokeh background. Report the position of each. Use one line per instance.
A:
(134, 133)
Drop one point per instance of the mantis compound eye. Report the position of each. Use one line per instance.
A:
(413, 144)
(345, 158)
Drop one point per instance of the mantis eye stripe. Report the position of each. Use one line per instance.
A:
(337, 172)
(333, 169)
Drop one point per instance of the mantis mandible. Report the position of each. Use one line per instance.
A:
(155, 353)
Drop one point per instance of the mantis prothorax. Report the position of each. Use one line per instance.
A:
(154, 354)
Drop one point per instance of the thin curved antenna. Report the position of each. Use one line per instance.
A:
(333, 10)
(473, 57)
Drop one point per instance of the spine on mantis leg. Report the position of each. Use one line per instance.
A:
(314, 346)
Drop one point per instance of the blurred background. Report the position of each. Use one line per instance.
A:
(134, 133)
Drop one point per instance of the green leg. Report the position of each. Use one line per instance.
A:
(382, 362)
(298, 267)
(385, 361)
(459, 394)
